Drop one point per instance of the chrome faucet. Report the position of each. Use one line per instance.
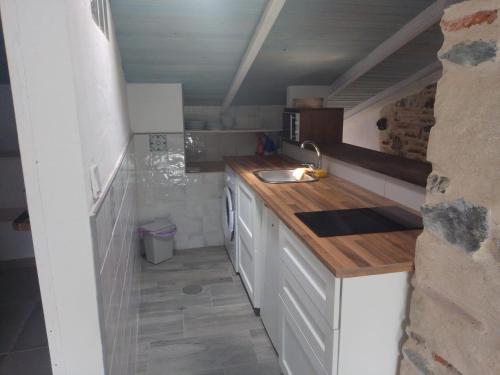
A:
(316, 148)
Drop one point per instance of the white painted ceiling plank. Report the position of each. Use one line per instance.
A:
(266, 22)
(407, 33)
(430, 74)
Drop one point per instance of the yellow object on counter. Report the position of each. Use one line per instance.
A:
(319, 173)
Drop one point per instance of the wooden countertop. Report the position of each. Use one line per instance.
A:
(345, 256)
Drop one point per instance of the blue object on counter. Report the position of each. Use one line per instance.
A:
(269, 146)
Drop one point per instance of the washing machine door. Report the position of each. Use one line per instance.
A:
(228, 214)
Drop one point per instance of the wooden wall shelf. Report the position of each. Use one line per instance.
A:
(22, 222)
(274, 130)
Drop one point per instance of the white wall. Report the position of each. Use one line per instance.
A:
(239, 116)
(70, 106)
(305, 92)
(100, 91)
(361, 129)
(360, 122)
(8, 132)
(155, 107)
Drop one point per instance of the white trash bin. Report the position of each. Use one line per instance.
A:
(158, 238)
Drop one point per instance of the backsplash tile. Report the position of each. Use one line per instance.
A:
(192, 201)
(212, 147)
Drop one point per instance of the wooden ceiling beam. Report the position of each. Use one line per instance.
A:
(273, 9)
(407, 33)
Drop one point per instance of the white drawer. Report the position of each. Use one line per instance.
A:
(322, 339)
(296, 355)
(319, 284)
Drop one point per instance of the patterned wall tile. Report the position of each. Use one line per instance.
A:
(158, 143)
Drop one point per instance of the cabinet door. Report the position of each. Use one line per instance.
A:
(248, 241)
(319, 284)
(271, 276)
(322, 339)
(322, 125)
(296, 356)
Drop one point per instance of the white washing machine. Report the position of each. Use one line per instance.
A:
(229, 215)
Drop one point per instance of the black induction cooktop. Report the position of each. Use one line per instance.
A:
(360, 221)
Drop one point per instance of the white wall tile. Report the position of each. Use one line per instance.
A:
(118, 252)
(402, 192)
(166, 191)
(367, 179)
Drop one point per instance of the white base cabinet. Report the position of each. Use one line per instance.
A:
(372, 314)
(248, 241)
(270, 306)
(318, 323)
(296, 355)
(335, 326)
(311, 295)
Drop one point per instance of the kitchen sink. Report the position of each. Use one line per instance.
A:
(281, 176)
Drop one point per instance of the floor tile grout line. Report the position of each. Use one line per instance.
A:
(204, 334)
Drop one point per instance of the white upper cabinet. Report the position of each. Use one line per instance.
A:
(155, 107)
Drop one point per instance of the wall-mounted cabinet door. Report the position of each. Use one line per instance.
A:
(248, 213)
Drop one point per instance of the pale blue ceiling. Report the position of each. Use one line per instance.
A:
(416, 55)
(200, 43)
(314, 42)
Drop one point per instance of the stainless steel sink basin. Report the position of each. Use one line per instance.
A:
(281, 176)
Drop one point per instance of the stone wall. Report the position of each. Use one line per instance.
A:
(455, 306)
(408, 124)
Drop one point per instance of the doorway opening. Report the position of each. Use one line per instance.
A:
(23, 337)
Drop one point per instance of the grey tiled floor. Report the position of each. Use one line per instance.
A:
(213, 332)
(23, 340)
